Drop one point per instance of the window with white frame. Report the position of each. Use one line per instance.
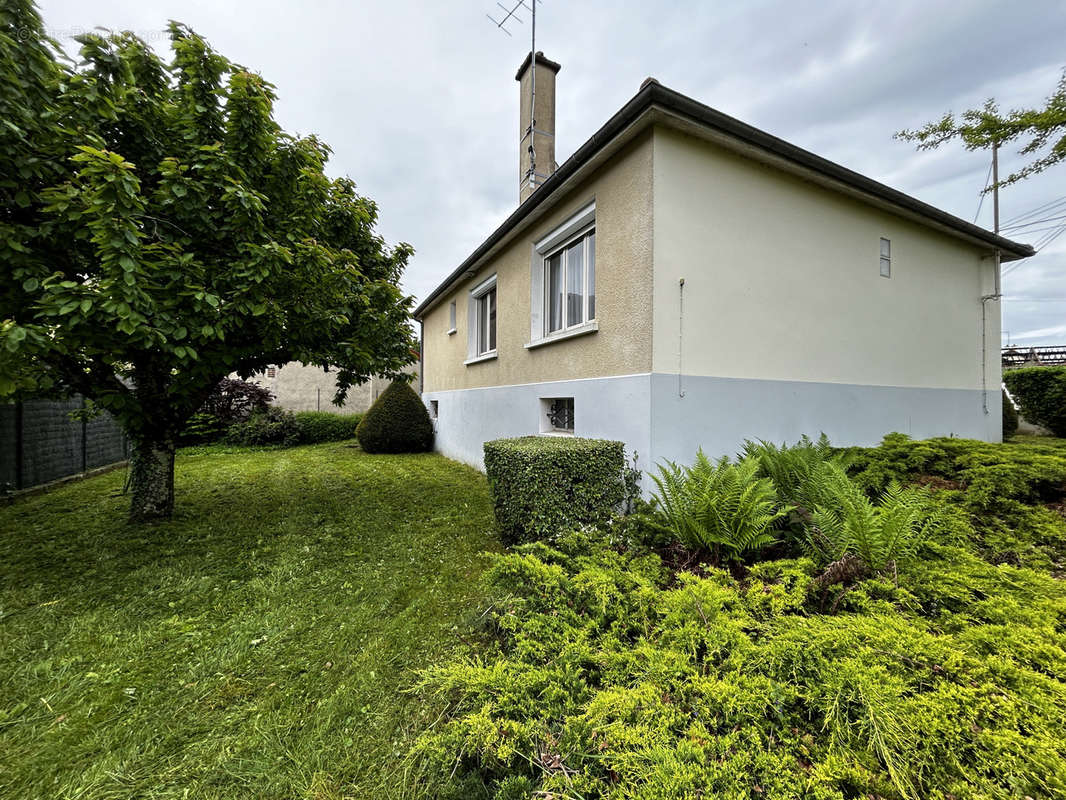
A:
(451, 317)
(482, 341)
(570, 283)
(886, 258)
(563, 280)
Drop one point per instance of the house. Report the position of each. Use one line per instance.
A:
(687, 280)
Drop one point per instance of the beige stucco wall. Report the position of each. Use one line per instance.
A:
(623, 193)
(782, 281)
(304, 387)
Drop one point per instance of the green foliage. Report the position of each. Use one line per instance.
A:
(397, 422)
(981, 128)
(258, 645)
(230, 402)
(1009, 492)
(325, 426)
(847, 523)
(159, 231)
(1010, 417)
(721, 508)
(604, 676)
(1041, 395)
(542, 485)
(790, 466)
(275, 426)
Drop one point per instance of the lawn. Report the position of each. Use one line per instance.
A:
(257, 645)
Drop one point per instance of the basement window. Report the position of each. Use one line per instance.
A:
(886, 258)
(557, 416)
(433, 408)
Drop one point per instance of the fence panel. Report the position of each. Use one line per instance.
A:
(40, 442)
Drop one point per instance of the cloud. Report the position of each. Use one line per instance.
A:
(420, 105)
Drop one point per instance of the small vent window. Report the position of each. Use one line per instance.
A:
(451, 318)
(433, 408)
(886, 258)
(557, 415)
(272, 372)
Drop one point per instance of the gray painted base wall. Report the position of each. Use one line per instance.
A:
(718, 414)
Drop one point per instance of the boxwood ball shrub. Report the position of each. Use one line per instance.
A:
(542, 485)
(1041, 394)
(397, 423)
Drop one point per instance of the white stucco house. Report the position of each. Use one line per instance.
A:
(687, 280)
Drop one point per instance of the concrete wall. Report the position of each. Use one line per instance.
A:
(303, 387)
(604, 408)
(622, 345)
(782, 282)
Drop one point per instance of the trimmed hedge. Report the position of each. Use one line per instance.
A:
(1010, 417)
(275, 426)
(325, 426)
(397, 423)
(1041, 395)
(543, 485)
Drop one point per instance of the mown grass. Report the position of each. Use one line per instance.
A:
(257, 645)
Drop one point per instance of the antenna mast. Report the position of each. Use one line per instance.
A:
(512, 14)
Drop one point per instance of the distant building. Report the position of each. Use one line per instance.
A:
(305, 387)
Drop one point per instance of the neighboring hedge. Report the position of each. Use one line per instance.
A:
(1010, 417)
(276, 426)
(324, 426)
(542, 485)
(1041, 395)
(397, 423)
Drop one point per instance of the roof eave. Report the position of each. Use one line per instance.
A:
(652, 94)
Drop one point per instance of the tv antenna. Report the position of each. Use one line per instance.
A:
(509, 15)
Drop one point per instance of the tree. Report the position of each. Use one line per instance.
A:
(985, 127)
(158, 230)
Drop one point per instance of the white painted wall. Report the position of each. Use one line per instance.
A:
(782, 281)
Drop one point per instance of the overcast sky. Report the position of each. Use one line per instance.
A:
(420, 105)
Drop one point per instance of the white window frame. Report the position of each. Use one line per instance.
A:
(885, 254)
(477, 294)
(583, 237)
(451, 318)
(579, 224)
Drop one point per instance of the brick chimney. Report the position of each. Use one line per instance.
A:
(537, 162)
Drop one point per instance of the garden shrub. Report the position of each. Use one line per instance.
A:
(326, 426)
(603, 675)
(542, 485)
(1010, 417)
(230, 402)
(397, 422)
(724, 509)
(1041, 395)
(274, 426)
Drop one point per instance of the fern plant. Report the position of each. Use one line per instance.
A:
(790, 467)
(847, 525)
(723, 508)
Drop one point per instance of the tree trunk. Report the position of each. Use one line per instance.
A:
(151, 479)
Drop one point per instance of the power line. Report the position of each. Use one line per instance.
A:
(1034, 211)
(1024, 225)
